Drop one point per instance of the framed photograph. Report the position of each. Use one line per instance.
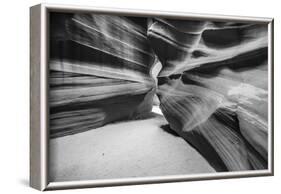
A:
(123, 97)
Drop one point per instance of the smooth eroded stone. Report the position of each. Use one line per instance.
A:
(210, 121)
(180, 48)
(213, 88)
(100, 71)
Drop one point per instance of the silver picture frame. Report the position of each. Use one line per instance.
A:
(39, 112)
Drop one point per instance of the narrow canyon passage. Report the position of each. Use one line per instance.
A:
(141, 96)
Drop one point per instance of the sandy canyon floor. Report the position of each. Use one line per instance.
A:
(140, 148)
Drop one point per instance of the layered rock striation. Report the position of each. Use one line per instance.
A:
(213, 88)
(210, 79)
(100, 71)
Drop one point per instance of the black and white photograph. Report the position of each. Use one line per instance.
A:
(152, 96)
(122, 96)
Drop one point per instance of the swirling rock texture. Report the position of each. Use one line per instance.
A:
(210, 79)
(100, 71)
(213, 88)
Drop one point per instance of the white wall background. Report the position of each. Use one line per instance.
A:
(14, 98)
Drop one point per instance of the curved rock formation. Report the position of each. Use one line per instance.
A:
(210, 77)
(98, 64)
(185, 45)
(213, 88)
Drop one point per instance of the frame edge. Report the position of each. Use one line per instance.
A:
(38, 111)
(37, 176)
